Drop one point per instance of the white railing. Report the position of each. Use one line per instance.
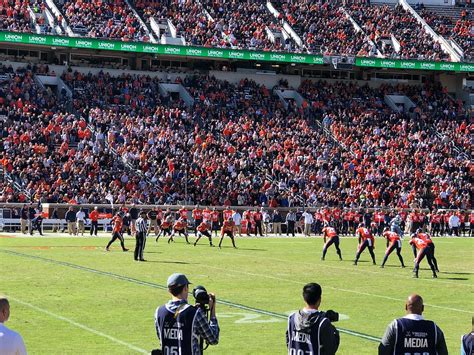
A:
(436, 38)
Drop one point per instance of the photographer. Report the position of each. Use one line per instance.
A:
(309, 330)
(182, 328)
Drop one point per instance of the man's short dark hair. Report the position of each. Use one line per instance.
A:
(3, 303)
(312, 293)
(176, 290)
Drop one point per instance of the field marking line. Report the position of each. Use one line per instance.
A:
(337, 289)
(161, 287)
(353, 270)
(79, 325)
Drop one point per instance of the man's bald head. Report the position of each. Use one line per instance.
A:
(414, 304)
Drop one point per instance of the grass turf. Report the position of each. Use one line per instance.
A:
(69, 296)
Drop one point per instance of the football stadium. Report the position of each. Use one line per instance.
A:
(183, 177)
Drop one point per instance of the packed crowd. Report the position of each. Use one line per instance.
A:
(244, 24)
(50, 152)
(380, 23)
(239, 24)
(460, 31)
(390, 155)
(189, 19)
(112, 19)
(324, 27)
(238, 144)
(14, 16)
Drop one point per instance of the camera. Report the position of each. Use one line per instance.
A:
(333, 316)
(201, 296)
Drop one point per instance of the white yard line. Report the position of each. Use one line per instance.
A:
(79, 325)
(337, 289)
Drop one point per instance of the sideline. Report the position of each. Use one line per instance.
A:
(79, 325)
(161, 287)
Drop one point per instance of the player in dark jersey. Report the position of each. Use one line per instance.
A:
(330, 233)
(366, 240)
(393, 243)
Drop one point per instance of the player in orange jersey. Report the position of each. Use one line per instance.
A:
(165, 227)
(203, 230)
(366, 240)
(427, 238)
(117, 225)
(227, 229)
(424, 249)
(180, 228)
(330, 233)
(393, 243)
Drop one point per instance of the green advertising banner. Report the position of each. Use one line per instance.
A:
(413, 64)
(139, 47)
(219, 53)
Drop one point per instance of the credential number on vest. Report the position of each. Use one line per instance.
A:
(171, 350)
(299, 352)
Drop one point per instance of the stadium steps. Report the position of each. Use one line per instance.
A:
(14, 182)
(276, 12)
(142, 21)
(54, 8)
(454, 13)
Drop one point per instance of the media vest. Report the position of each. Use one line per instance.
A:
(304, 341)
(468, 344)
(176, 329)
(416, 337)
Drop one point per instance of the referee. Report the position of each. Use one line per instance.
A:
(140, 238)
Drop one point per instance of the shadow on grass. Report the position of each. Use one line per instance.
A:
(168, 262)
(238, 248)
(457, 273)
(456, 278)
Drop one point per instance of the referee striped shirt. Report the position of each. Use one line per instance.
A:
(141, 224)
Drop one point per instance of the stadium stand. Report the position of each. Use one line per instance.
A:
(112, 19)
(457, 28)
(325, 27)
(384, 22)
(239, 144)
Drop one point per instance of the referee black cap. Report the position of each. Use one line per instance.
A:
(177, 280)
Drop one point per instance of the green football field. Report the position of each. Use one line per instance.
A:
(70, 296)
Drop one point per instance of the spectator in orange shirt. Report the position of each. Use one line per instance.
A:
(94, 217)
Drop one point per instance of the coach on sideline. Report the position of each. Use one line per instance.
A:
(11, 343)
(413, 334)
(180, 326)
(309, 330)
